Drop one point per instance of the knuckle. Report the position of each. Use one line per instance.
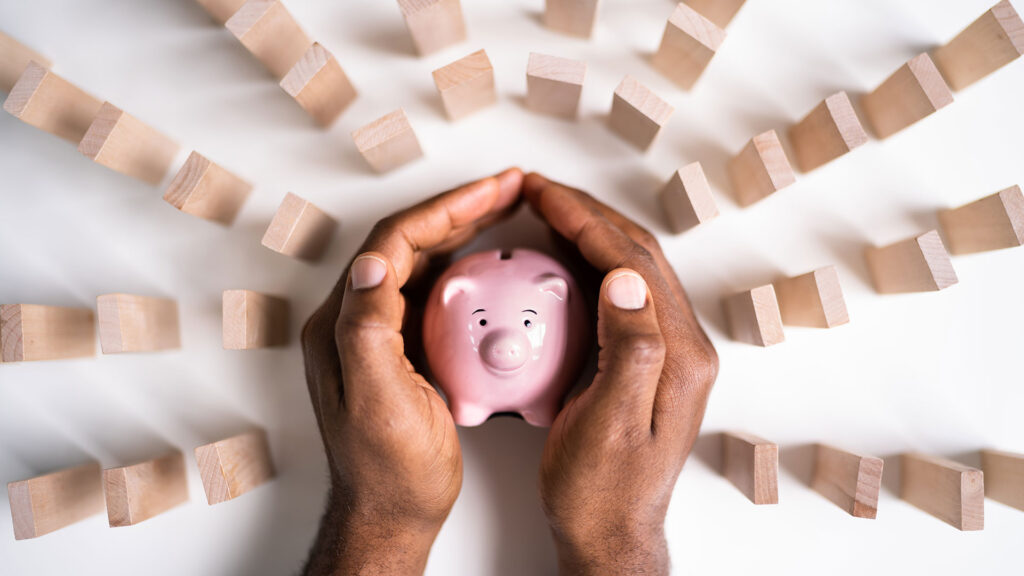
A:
(356, 327)
(642, 349)
(645, 238)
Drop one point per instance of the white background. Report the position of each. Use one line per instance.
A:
(937, 372)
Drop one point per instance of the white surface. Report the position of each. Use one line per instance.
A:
(933, 372)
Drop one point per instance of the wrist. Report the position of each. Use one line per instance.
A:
(612, 550)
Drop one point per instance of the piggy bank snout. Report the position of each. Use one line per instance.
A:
(505, 350)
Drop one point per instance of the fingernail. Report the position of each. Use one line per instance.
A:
(627, 290)
(368, 272)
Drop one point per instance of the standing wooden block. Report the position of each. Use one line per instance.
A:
(994, 222)
(130, 323)
(433, 24)
(689, 43)
(388, 142)
(945, 489)
(994, 40)
(234, 466)
(912, 93)
(638, 114)
(43, 504)
(267, 29)
(319, 85)
(253, 320)
(687, 199)
(721, 12)
(572, 17)
(125, 144)
(919, 264)
(554, 85)
(140, 491)
(206, 190)
(829, 131)
(760, 169)
(466, 85)
(752, 465)
(221, 10)
(849, 480)
(1004, 477)
(32, 332)
(299, 229)
(754, 316)
(14, 58)
(814, 299)
(52, 104)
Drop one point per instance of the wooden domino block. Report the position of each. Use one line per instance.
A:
(32, 332)
(721, 12)
(14, 58)
(687, 199)
(849, 480)
(42, 99)
(912, 93)
(131, 323)
(253, 320)
(205, 189)
(754, 316)
(572, 17)
(919, 264)
(829, 131)
(388, 142)
(234, 466)
(318, 83)
(950, 491)
(47, 503)
(752, 465)
(433, 24)
(221, 10)
(466, 85)
(994, 40)
(299, 229)
(760, 169)
(125, 144)
(554, 85)
(814, 299)
(267, 29)
(638, 114)
(1004, 477)
(689, 43)
(994, 222)
(141, 491)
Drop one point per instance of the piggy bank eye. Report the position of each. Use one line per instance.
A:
(483, 322)
(527, 323)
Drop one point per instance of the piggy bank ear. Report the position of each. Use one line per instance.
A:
(455, 286)
(552, 284)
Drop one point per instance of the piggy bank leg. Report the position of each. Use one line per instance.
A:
(469, 415)
(542, 413)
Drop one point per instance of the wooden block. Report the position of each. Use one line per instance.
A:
(687, 199)
(52, 104)
(221, 10)
(131, 323)
(829, 131)
(760, 169)
(1004, 477)
(814, 299)
(919, 264)
(318, 83)
(299, 229)
(234, 466)
(721, 12)
(433, 24)
(994, 40)
(466, 85)
(125, 144)
(254, 320)
(32, 332)
(205, 189)
(849, 480)
(554, 85)
(267, 29)
(141, 491)
(912, 93)
(994, 222)
(687, 46)
(638, 114)
(388, 142)
(752, 465)
(572, 17)
(754, 316)
(14, 58)
(945, 489)
(43, 504)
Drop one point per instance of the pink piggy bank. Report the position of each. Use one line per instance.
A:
(505, 332)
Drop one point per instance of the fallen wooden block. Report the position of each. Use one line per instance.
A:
(687, 199)
(318, 83)
(234, 466)
(689, 43)
(267, 29)
(141, 491)
(638, 114)
(466, 85)
(919, 264)
(912, 93)
(554, 85)
(131, 323)
(42, 99)
(752, 465)
(573, 17)
(754, 316)
(299, 229)
(829, 131)
(14, 58)
(994, 40)
(47, 503)
(760, 169)
(433, 24)
(253, 320)
(721, 12)
(849, 480)
(221, 10)
(31, 332)
(1004, 477)
(945, 489)
(814, 299)
(991, 223)
(388, 142)
(125, 144)
(205, 189)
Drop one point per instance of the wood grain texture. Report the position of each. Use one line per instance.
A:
(388, 142)
(203, 188)
(572, 17)
(687, 199)
(851, 481)
(132, 323)
(42, 99)
(760, 169)
(754, 316)
(319, 84)
(466, 85)
(554, 85)
(918, 264)
(50, 502)
(253, 320)
(992, 41)
(433, 24)
(814, 299)
(751, 463)
(1004, 477)
(721, 12)
(141, 491)
(221, 10)
(125, 144)
(991, 223)
(267, 30)
(14, 58)
(30, 332)
(826, 133)
(638, 114)
(299, 229)
(234, 466)
(912, 93)
(948, 490)
(689, 43)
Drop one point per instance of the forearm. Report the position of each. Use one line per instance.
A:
(613, 554)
